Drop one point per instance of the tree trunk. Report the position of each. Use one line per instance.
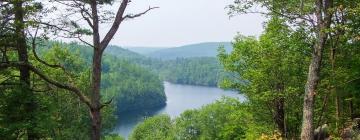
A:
(21, 42)
(95, 124)
(96, 76)
(279, 116)
(21, 46)
(323, 17)
(337, 108)
(307, 132)
(95, 97)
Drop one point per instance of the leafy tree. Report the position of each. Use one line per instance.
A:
(270, 72)
(91, 13)
(14, 20)
(157, 127)
(315, 16)
(224, 119)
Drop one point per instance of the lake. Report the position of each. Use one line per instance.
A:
(179, 99)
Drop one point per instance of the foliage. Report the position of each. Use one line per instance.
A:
(153, 128)
(54, 105)
(113, 137)
(220, 120)
(59, 114)
(330, 29)
(204, 71)
(270, 72)
(139, 88)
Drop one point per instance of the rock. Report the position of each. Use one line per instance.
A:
(321, 133)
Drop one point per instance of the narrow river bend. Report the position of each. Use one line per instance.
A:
(179, 99)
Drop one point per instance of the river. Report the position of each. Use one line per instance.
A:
(179, 99)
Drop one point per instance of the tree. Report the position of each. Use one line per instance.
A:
(13, 27)
(157, 127)
(270, 73)
(316, 16)
(224, 119)
(89, 12)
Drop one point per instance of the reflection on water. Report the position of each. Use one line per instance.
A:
(179, 99)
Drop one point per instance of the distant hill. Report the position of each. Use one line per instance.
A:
(144, 50)
(208, 49)
(121, 52)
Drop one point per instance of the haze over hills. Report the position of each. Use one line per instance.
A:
(144, 50)
(195, 64)
(207, 49)
(122, 52)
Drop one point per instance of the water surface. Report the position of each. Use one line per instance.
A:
(179, 99)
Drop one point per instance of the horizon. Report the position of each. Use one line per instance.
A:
(164, 47)
(178, 23)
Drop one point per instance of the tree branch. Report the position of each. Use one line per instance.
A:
(130, 16)
(84, 10)
(86, 19)
(107, 103)
(115, 26)
(33, 43)
(71, 34)
(71, 88)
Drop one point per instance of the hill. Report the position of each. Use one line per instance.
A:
(139, 87)
(121, 52)
(207, 49)
(144, 50)
(192, 69)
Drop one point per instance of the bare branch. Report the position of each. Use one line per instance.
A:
(107, 103)
(87, 19)
(54, 26)
(130, 16)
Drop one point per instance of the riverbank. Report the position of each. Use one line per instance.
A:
(179, 99)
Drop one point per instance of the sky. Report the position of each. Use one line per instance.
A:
(181, 22)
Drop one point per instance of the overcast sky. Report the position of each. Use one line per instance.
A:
(180, 22)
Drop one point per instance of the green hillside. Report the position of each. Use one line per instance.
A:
(208, 49)
(204, 71)
(122, 52)
(144, 50)
(119, 68)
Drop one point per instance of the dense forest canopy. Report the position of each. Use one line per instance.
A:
(271, 72)
(140, 87)
(300, 77)
(191, 70)
(205, 71)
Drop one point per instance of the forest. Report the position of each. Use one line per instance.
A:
(271, 72)
(204, 71)
(300, 77)
(140, 89)
(191, 70)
